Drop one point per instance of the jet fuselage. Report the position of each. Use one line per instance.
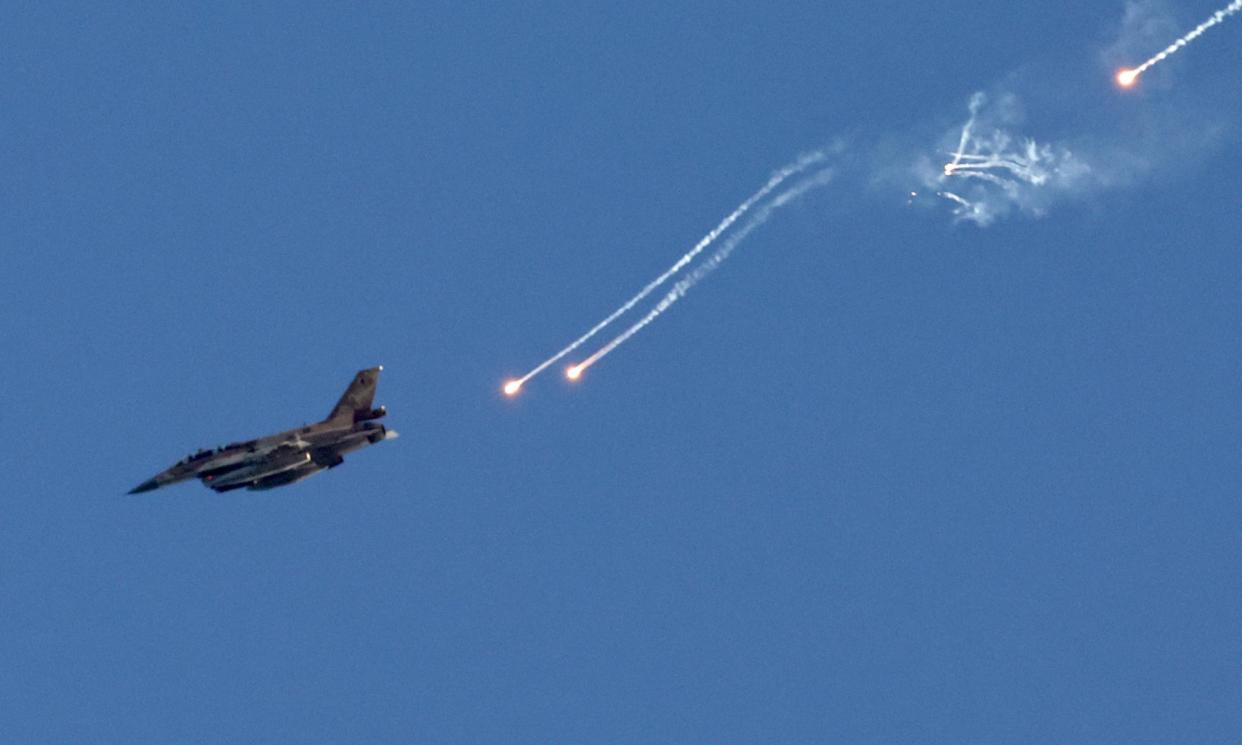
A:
(292, 455)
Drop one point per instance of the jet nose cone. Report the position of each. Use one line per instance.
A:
(144, 486)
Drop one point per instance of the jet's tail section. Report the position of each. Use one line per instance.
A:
(355, 403)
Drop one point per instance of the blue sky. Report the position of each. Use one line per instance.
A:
(887, 476)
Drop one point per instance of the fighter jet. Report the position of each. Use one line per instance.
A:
(289, 456)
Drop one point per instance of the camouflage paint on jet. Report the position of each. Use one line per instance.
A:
(288, 456)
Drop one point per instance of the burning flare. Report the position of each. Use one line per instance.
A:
(798, 166)
(1127, 78)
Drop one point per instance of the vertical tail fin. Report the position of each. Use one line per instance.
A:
(357, 397)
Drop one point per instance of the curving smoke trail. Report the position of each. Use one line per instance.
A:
(999, 171)
(1127, 77)
(976, 102)
(989, 170)
(799, 165)
(682, 286)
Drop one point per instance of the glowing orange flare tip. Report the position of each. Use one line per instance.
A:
(1127, 78)
(512, 387)
(574, 372)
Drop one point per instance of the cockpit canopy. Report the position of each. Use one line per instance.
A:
(200, 455)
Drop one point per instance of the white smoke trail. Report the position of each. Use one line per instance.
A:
(683, 285)
(976, 102)
(1127, 77)
(799, 165)
(1005, 171)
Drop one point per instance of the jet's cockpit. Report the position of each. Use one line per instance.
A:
(192, 457)
(246, 445)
